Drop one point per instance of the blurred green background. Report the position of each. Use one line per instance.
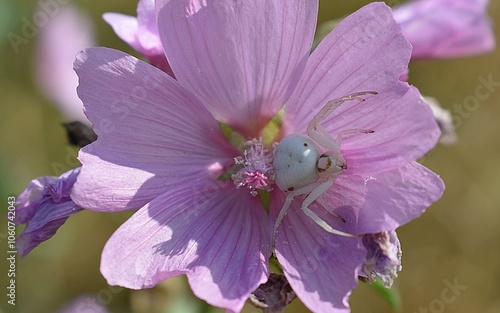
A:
(458, 239)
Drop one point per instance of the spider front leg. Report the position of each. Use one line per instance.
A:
(288, 201)
(331, 105)
(320, 135)
(313, 196)
(314, 192)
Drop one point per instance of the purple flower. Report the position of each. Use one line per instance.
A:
(383, 258)
(446, 28)
(141, 33)
(161, 150)
(44, 206)
(60, 40)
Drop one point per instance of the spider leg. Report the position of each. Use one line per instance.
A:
(286, 205)
(352, 131)
(329, 210)
(324, 139)
(331, 105)
(313, 196)
(320, 135)
(282, 214)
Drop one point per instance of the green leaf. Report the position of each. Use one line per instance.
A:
(391, 295)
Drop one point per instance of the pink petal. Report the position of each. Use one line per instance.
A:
(148, 30)
(446, 28)
(405, 130)
(141, 33)
(59, 41)
(320, 267)
(125, 26)
(381, 202)
(366, 51)
(323, 268)
(241, 58)
(152, 134)
(215, 234)
(149, 37)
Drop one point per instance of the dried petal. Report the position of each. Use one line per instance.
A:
(383, 258)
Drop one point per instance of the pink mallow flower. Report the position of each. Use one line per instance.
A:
(446, 28)
(44, 206)
(141, 33)
(161, 149)
(59, 41)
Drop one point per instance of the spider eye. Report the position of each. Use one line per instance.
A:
(324, 163)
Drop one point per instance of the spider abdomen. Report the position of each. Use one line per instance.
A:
(295, 162)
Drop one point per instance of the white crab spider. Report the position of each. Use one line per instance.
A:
(301, 168)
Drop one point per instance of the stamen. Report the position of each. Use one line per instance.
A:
(257, 172)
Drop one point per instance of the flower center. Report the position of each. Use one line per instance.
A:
(257, 172)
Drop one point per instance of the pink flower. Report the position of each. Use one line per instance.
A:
(446, 28)
(44, 206)
(161, 150)
(141, 33)
(66, 34)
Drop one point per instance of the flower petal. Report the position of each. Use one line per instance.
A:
(321, 268)
(125, 27)
(213, 233)
(140, 32)
(404, 130)
(444, 119)
(152, 134)
(383, 258)
(241, 58)
(44, 206)
(446, 28)
(382, 202)
(148, 30)
(364, 52)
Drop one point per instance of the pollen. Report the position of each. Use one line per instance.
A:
(257, 172)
